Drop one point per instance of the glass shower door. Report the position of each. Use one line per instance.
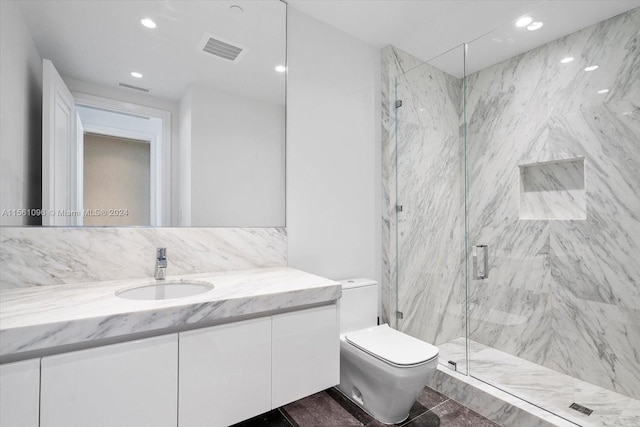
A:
(517, 192)
(430, 204)
(553, 202)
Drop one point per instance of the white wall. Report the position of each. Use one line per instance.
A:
(237, 160)
(20, 115)
(184, 170)
(333, 151)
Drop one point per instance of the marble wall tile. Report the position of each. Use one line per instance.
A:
(395, 63)
(553, 190)
(40, 256)
(423, 165)
(563, 288)
(574, 282)
(387, 287)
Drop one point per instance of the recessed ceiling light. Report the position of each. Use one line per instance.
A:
(567, 59)
(603, 91)
(136, 74)
(236, 10)
(591, 68)
(535, 26)
(147, 22)
(281, 68)
(524, 21)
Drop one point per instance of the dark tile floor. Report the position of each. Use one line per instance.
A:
(330, 408)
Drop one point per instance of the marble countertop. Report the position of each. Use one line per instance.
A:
(37, 318)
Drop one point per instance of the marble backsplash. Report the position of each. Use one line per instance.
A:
(40, 256)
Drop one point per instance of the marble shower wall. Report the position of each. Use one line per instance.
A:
(395, 62)
(430, 228)
(562, 292)
(554, 190)
(40, 256)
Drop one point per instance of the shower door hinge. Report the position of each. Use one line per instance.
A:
(398, 103)
(398, 208)
(399, 315)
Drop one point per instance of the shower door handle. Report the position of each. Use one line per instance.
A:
(477, 275)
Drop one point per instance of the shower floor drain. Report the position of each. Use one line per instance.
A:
(581, 409)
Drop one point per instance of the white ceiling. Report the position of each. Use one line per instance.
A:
(102, 41)
(428, 28)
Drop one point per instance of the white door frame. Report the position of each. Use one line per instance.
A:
(58, 146)
(160, 154)
(77, 170)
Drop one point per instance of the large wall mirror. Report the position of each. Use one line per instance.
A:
(143, 113)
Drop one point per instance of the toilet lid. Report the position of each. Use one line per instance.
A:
(392, 346)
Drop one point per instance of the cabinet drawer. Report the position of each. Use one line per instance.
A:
(129, 384)
(225, 373)
(20, 393)
(305, 353)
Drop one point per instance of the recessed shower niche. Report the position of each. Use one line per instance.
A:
(553, 190)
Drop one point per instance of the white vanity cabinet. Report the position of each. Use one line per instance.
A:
(225, 373)
(305, 353)
(133, 383)
(20, 393)
(212, 376)
(232, 372)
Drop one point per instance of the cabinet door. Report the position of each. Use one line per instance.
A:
(305, 353)
(225, 373)
(129, 384)
(19, 393)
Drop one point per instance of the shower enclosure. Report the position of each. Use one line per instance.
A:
(514, 215)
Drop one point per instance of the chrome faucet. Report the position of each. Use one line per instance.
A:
(161, 264)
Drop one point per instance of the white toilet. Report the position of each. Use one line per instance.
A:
(381, 370)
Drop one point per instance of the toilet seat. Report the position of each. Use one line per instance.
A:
(392, 347)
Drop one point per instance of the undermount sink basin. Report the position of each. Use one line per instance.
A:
(162, 290)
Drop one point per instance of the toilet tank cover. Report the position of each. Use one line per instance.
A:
(393, 346)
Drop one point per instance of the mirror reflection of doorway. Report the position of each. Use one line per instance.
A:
(116, 181)
(126, 164)
(142, 134)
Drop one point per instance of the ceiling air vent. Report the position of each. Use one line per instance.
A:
(128, 86)
(221, 48)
